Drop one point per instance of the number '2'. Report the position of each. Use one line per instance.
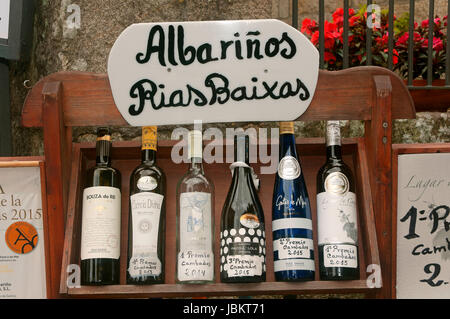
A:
(435, 272)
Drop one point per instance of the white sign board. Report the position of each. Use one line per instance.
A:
(423, 226)
(214, 71)
(4, 18)
(22, 257)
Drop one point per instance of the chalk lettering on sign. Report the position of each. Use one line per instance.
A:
(157, 44)
(434, 273)
(219, 92)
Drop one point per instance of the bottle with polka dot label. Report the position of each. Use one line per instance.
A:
(242, 232)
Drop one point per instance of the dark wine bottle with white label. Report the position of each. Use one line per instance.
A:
(293, 245)
(242, 232)
(337, 225)
(195, 219)
(101, 217)
(146, 222)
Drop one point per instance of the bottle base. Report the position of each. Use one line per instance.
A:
(340, 274)
(294, 275)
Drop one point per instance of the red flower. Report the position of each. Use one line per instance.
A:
(438, 45)
(315, 38)
(403, 40)
(353, 20)
(308, 25)
(338, 16)
(383, 41)
(425, 23)
(329, 57)
(394, 55)
(437, 22)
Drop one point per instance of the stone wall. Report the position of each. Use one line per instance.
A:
(59, 46)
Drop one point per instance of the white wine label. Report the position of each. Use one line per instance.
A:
(195, 265)
(242, 252)
(293, 247)
(337, 183)
(289, 168)
(293, 264)
(195, 221)
(146, 214)
(145, 266)
(244, 265)
(147, 183)
(100, 235)
(289, 223)
(340, 256)
(333, 133)
(249, 220)
(336, 218)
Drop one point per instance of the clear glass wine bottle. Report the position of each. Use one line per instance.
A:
(195, 219)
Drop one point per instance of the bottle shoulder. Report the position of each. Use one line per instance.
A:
(194, 181)
(335, 166)
(148, 170)
(103, 176)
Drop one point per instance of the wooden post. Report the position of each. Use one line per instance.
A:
(378, 135)
(56, 153)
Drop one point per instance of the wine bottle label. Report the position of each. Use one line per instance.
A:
(289, 168)
(147, 183)
(293, 264)
(249, 220)
(340, 255)
(243, 252)
(146, 214)
(287, 223)
(149, 138)
(293, 247)
(100, 234)
(336, 218)
(195, 259)
(195, 265)
(293, 253)
(333, 133)
(337, 183)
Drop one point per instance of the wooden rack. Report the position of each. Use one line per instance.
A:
(64, 100)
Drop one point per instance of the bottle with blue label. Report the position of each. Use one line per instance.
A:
(292, 229)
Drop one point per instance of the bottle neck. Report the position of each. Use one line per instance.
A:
(242, 177)
(103, 149)
(334, 141)
(334, 152)
(287, 145)
(196, 165)
(148, 156)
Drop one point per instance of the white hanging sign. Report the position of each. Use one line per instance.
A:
(214, 71)
(4, 19)
(423, 226)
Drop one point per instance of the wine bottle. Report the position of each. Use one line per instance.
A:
(146, 222)
(242, 235)
(101, 218)
(195, 219)
(336, 213)
(293, 244)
